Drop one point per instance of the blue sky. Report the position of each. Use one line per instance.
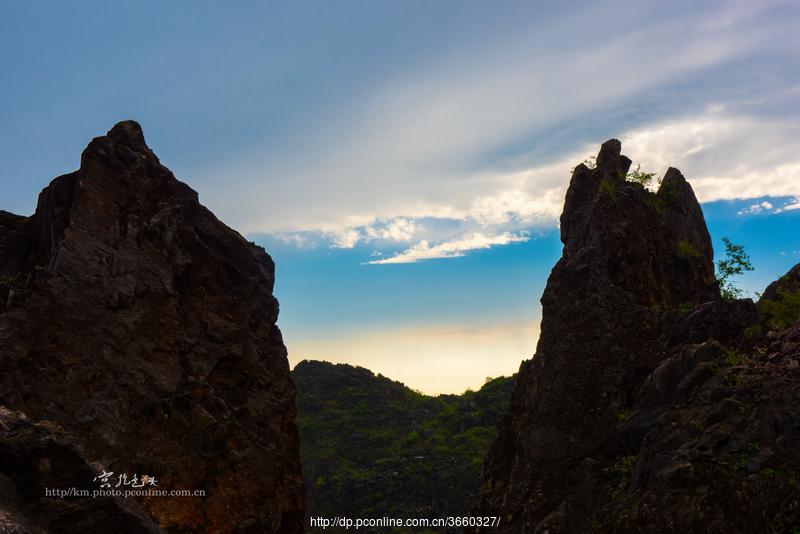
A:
(405, 162)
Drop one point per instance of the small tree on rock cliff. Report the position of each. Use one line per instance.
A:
(736, 262)
(638, 176)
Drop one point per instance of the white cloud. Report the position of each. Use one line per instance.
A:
(451, 249)
(792, 205)
(724, 156)
(397, 230)
(346, 239)
(756, 208)
(446, 138)
(297, 239)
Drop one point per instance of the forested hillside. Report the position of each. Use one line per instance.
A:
(371, 446)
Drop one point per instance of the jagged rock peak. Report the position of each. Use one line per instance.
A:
(629, 254)
(123, 148)
(153, 324)
(610, 158)
(654, 245)
(127, 132)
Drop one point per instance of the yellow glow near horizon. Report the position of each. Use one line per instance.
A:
(434, 360)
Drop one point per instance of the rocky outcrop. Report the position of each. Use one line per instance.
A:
(146, 329)
(37, 458)
(645, 386)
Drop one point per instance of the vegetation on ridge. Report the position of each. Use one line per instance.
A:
(372, 447)
(638, 176)
(780, 308)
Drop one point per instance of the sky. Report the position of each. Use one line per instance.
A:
(405, 163)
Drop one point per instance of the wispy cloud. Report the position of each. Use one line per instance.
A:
(758, 207)
(451, 249)
(346, 239)
(792, 205)
(765, 206)
(486, 134)
(724, 155)
(397, 230)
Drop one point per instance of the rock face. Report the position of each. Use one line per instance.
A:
(646, 388)
(37, 457)
(145, 328)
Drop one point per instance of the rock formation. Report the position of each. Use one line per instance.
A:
(651, 404)
(146, 329)
(39, 457)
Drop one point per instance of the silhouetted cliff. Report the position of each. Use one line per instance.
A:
(145, 328)
(651, 404)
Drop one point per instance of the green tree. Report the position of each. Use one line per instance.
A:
(736, 262)
(638, 176)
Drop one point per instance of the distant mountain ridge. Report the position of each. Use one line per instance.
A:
(371, 446)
